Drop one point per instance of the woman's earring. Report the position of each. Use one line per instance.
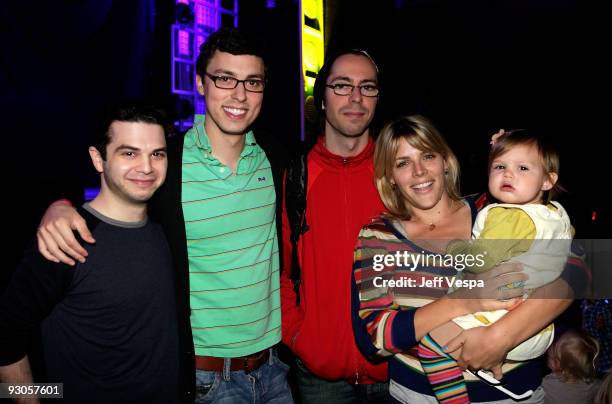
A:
(393, 186)
(446, 171)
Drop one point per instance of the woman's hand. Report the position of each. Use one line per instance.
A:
(493, 295)
(481, 348)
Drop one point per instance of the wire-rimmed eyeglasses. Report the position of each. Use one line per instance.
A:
(367, 90)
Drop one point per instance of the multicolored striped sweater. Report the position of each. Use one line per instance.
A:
(383, 315)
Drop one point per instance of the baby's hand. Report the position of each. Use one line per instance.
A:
(496, 136)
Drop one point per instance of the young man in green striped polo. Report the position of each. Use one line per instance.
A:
(220, 210)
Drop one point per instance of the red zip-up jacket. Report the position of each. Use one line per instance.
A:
(341, 198)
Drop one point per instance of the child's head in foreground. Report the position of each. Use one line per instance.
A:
(572, 357)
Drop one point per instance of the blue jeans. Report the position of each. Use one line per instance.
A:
(314, 390)
(267, 384)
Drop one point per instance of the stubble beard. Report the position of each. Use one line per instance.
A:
(350, 134)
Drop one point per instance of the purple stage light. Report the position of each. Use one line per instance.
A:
(90, 193)
(187, 36)
(199, 40)
(184, 48)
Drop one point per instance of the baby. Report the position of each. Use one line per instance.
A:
(526, 226)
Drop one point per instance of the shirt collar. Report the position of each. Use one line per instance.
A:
(203, 142)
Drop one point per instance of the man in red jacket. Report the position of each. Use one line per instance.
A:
(340, 199)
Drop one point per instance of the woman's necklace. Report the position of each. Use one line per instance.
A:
(432, 225)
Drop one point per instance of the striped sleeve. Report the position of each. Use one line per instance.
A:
(381, 329)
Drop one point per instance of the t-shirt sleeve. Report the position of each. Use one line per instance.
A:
(35, 288)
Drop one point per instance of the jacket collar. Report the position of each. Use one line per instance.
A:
(333, 160)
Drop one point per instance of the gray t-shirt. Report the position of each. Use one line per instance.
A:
(560, 392)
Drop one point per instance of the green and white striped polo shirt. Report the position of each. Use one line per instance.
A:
(233, 249)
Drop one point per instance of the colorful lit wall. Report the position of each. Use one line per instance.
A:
(313, 45)
(197, 20)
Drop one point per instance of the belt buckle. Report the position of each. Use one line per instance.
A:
(245, 364)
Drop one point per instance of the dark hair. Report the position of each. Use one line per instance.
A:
(549, 157)
(230, 40)
(321, 80)
(133, 110)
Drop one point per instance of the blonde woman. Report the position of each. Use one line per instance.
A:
(417, 175)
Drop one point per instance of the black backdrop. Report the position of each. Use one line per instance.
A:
(472, 67)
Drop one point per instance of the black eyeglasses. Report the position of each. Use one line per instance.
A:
(229, 83)
(367, 90)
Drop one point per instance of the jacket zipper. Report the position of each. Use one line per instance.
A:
(345, 188)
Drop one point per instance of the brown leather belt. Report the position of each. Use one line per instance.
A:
(246, 363)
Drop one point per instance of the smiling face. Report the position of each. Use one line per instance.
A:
(231, 111)
(419, 176)
(135, 165)
(517, 176)
(350, 115)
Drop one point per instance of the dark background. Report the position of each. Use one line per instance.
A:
(473, 67)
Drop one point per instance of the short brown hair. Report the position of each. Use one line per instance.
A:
(420, 133)
(573, 356)
(548, 155)
(232, 41)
